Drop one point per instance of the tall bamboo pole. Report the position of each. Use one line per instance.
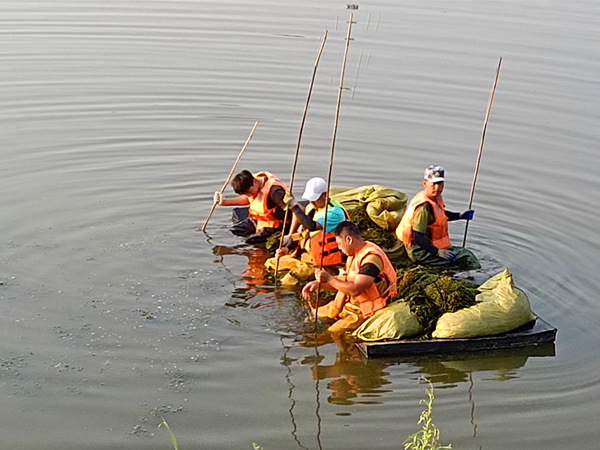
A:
(335, 127)
(312, 82)
(487, 116)
(230, 174)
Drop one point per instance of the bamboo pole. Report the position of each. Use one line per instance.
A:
(230, 174)
(487, 116)
(335, 127)
(312, 82)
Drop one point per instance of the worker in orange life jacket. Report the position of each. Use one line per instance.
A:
(307, 225)
(424, 226)
(263, 194)
(364, 288)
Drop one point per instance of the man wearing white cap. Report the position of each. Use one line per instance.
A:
(312, 221)
(424, 226)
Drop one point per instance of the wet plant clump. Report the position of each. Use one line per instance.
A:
(430, 294)
(370, 231)
(273, 242)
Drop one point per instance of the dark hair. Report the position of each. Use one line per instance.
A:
(242, 182)
(347, 227)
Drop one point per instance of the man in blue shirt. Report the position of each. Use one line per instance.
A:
(312, 218)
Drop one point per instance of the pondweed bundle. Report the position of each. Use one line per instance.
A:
(430, 294)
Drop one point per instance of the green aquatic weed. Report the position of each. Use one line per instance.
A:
(166, 425)
(428, 437)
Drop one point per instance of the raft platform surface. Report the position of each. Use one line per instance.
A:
(536, 332)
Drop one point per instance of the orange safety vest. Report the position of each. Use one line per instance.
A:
(327, 251)
(371, 300)
(438, 229)
(259, 211)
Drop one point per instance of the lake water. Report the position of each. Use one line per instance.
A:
(120, 119)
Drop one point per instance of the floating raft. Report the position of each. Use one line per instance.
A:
(536, 332)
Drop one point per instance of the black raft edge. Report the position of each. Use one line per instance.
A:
(536, 332)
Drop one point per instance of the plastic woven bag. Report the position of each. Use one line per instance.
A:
(395, 321)
(384, 206)
(503, 308)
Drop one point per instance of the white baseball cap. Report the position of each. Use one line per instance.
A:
(315, 187)
(434, 174)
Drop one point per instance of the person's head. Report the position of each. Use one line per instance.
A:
(244, 183)
(315, 191)
(433, 181)
(348, 238)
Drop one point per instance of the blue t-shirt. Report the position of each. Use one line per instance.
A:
(335, 216)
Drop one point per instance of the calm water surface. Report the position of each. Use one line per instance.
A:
(119, 120)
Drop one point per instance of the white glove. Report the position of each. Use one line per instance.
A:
(289, 199)
(218, 198)
(446, 254)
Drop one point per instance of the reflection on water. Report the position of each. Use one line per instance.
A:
(449, 370)
(254, 276)
(350, 379)
(353, 379)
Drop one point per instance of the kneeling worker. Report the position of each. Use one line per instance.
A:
(311, 220)
(424, 227)
(263, 193)
(363, 288)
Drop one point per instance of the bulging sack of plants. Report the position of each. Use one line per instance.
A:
(384, 206)
(298, 271)
(502, 307)
(395, 321)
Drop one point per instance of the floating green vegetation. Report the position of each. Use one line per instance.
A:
(427, 438)
(273, 242)
(430, 294)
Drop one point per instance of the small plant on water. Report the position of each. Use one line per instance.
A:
(428, 437)
(166, 425)
(425, 439)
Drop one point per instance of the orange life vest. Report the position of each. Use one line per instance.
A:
(259, 211)
(371, 300)
(327, 251)
(438, 229)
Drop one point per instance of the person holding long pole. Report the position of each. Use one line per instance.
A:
(262, 193)
(424, 227)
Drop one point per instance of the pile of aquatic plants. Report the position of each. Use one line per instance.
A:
(370, 231)
(430, 294)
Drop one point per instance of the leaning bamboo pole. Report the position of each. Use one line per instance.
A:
(230, 175)
(485, 122)
(312, 82)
